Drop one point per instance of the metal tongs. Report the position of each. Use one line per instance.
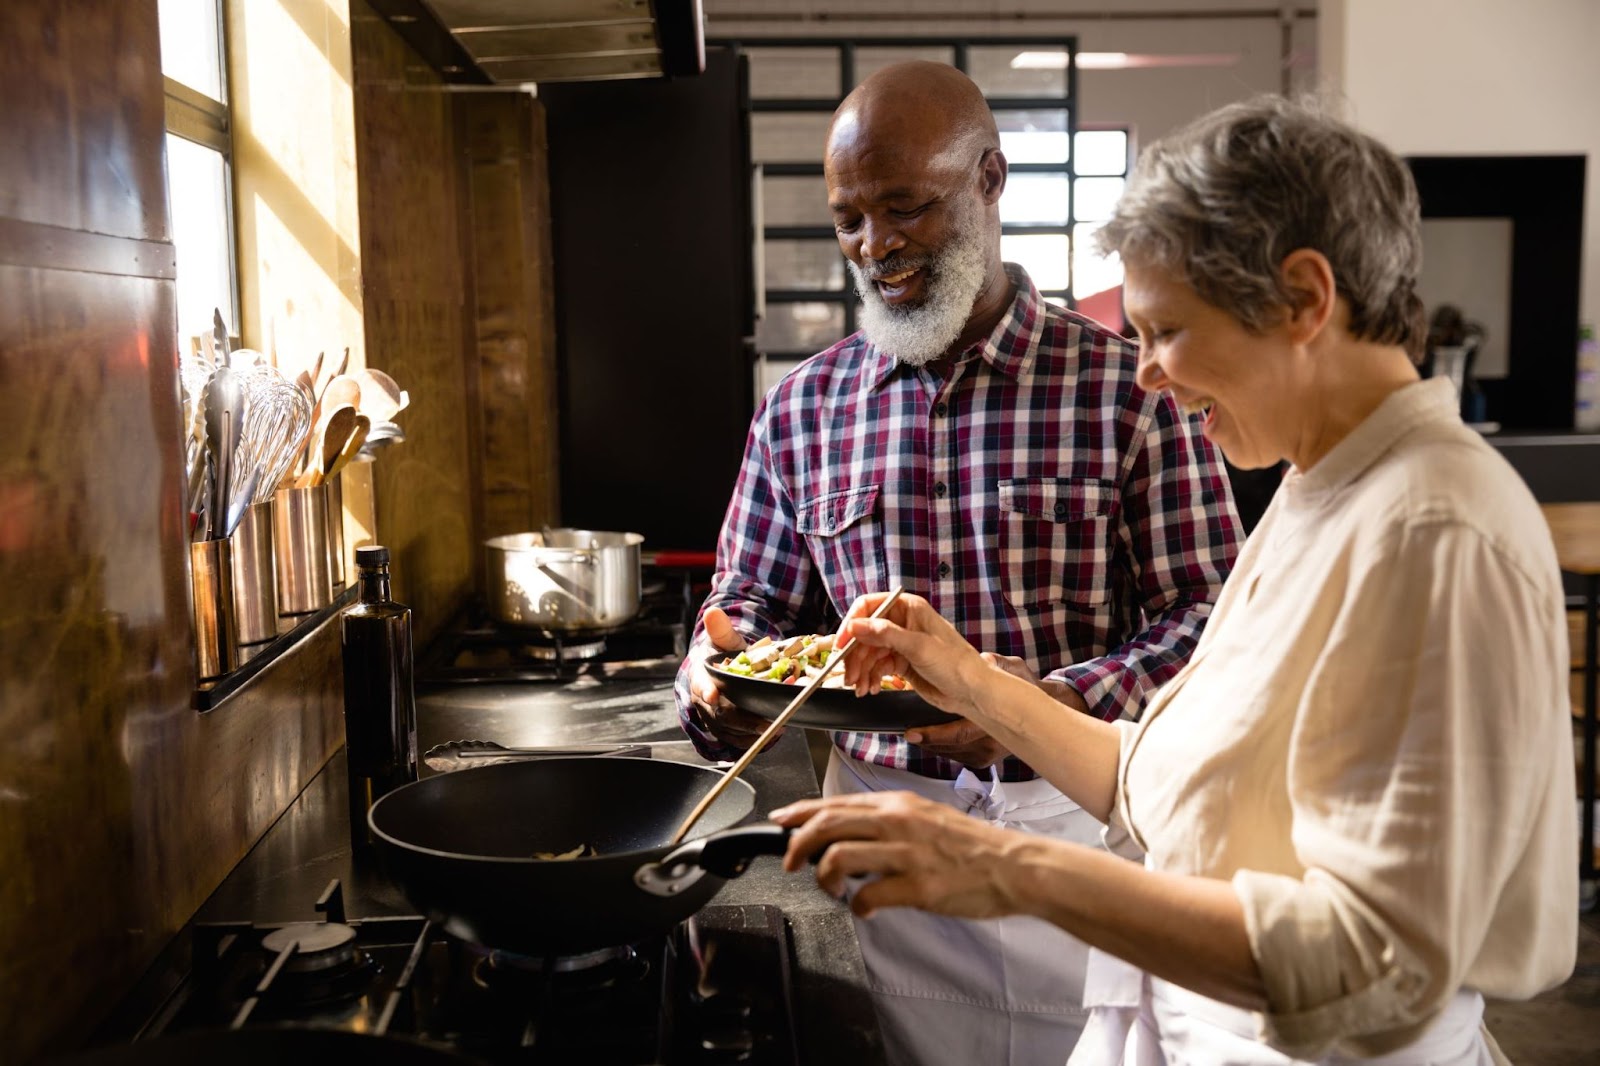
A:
(465, 754)
(834, 662)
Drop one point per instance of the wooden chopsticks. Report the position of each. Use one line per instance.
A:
(834, 662)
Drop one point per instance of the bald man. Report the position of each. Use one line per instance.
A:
(990, 452)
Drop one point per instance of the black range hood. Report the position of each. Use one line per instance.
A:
(516, 42)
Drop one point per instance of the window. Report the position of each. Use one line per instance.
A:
(1063, 180)
(199, 163)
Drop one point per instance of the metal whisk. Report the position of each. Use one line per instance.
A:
(276, 421)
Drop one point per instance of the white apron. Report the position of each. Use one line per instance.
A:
(996, 992)
(1139, 1020)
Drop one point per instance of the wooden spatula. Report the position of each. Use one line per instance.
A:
(337, 426)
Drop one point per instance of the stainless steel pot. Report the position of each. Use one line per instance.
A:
(567, 580)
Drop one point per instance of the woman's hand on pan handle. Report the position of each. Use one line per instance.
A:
(1188, 930)
(924, 854)
(916, 642)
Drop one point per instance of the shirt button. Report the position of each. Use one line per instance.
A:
(944, 569)
(940, 489)
(1061, 509)
(941, 408)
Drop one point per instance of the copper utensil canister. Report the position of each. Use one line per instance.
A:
(255, 577)
(334, 488)
(300, 540)
(216, 638)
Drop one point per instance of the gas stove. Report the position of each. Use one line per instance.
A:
(715, 990)
(268, 972)
(477, 650)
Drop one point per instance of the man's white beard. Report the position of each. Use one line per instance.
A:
(917, 335)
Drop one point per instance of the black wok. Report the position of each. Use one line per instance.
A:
(461, 847)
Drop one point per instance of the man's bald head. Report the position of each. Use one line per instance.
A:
(927, 112)
(914, 175)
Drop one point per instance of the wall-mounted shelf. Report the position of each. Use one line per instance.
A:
(210, 694)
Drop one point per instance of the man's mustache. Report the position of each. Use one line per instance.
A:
(887, 268)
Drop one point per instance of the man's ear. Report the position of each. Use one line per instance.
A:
(1308, 277)
(992, 169)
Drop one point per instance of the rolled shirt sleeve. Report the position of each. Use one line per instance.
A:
(1420, 779)
(763, 573)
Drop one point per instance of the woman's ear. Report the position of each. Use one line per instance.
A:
(1308, 277)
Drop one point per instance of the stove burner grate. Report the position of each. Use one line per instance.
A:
(713, 990)
(559, 649)
(606, 968)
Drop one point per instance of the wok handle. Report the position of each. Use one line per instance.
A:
(725, 854)
(728, 853)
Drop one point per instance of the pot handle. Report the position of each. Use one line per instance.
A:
(585, 557)
(724, 854)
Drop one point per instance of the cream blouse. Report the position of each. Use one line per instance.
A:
(1372, 739)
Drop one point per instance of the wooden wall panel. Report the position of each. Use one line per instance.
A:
(92, 640)
(121, 808)
(544, 427)
(514, 309)
(75, 136)
(415, 295)
(124, 807)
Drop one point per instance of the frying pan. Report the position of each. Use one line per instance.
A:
(461, 847)
(829, 708)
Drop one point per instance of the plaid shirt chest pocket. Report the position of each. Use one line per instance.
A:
(1055, 541)
(845, 535)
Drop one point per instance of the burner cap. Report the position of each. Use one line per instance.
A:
(321, 945)
(496, 968)
(563, 651)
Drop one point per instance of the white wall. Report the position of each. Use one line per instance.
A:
(1475, 77)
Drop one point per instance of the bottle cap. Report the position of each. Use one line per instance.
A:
(372, 555)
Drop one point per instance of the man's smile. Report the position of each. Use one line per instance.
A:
(897, 288)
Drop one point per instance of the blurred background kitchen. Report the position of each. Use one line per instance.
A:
(565, 245)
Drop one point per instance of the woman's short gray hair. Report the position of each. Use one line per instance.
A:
(1221, 202)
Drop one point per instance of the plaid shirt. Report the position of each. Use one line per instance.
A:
(1036, 497)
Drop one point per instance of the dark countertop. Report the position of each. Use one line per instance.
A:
(281, 878)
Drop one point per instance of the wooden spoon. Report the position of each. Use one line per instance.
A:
(358, 437)
(336, 429)
(381, 396)
(340, 391)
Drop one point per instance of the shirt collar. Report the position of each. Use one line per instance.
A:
(1010, 347)
(1406, 409)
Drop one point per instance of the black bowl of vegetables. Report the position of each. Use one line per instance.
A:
(766, 676)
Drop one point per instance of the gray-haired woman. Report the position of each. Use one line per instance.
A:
(1356, 799)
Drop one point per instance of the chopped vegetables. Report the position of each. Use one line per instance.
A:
(794, 661)
(582, 851)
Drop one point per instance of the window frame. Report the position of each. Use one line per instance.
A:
(959, 47)
(208, 122)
